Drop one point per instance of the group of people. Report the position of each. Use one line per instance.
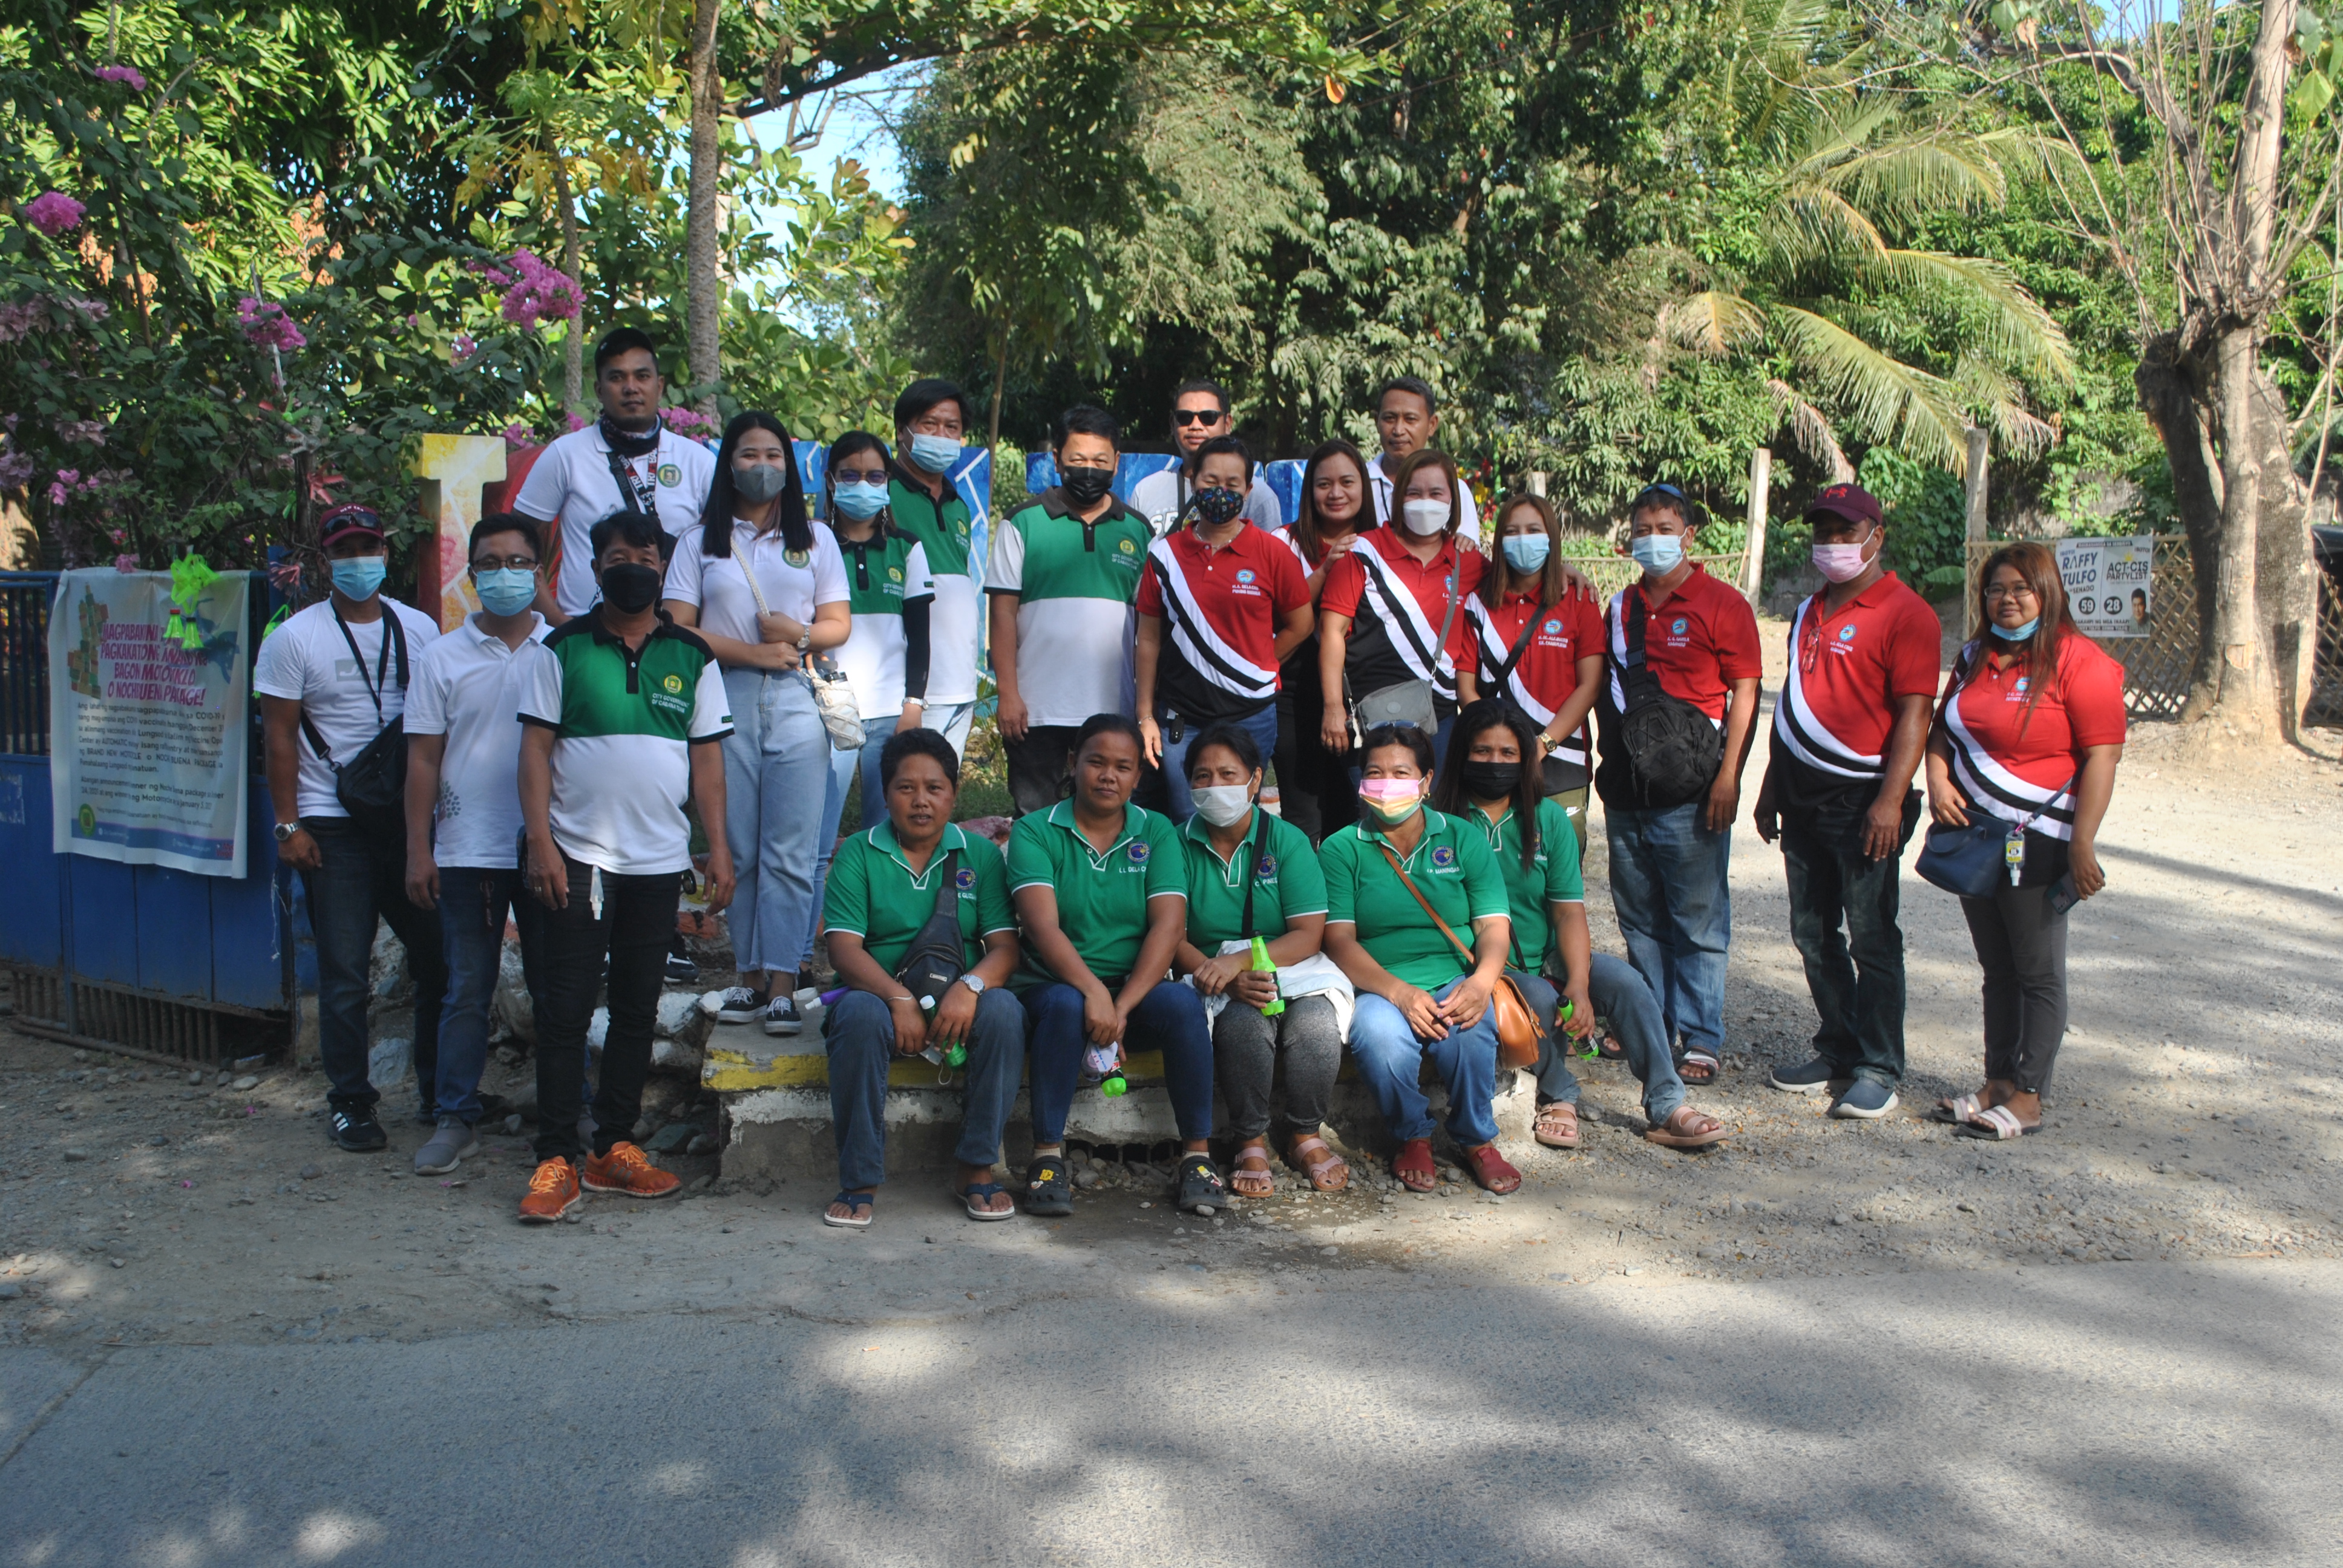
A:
(658, 625)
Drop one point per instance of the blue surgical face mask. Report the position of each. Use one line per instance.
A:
(359, 577)
(859, 500)
(1658, 554)
(2015, 633)
(507, 590)
(934, 452)
(1527, 552)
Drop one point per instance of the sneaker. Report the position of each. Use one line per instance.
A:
(552, 1192)
(354, 1128)
(680, 970)
(1813, 1077)
(740, 1005)
(585, 1127)
(628, 1171)
(1865, 1100)
(450, 1146)
(781, 1016)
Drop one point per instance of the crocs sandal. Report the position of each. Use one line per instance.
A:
(1264, 1179)
(1557, 1124)
(859, 1217)
(1202, 1191)
(1687, 1129)
(1490, 1170)
(969, 1196)
(1413, 1166)
(1996, 1124)
(1330, 1174)
(1049, 1188)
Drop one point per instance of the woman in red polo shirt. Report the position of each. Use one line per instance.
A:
(1315, 783)
(2030, 731)
(1393, 611)
(1538, 647)
(1221, 605)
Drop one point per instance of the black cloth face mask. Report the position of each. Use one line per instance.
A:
(631, 588)
(1086, 486)
(1217, 506)
(1491, 780)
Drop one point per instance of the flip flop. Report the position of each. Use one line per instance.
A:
(859, 1203)
(1996, 1124)
(1958, 1110)
(1671, 1133)
(969, 1195)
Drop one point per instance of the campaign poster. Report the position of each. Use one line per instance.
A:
(2110, 583)
(146, 734)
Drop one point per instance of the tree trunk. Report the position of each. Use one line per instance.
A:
(573, 351)
(2241, 696)
(703, 288)
(2172, 400)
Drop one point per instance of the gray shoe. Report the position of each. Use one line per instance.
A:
(451, 1145)
(586, 1130)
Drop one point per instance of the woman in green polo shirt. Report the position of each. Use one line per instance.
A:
(1484, 783)
(1253, 874)
(1103, 896)
(883, 887)
(1418, 996)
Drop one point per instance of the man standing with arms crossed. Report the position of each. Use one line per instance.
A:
(1850, 731)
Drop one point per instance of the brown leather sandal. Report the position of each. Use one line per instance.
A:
(1687, 1129)
(1557, 1124)
(1490, 1169)
(1413, 1166)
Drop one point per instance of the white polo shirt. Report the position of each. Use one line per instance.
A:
(572, 483)
(308, 659)
(1469, 530)
(794, 583)
(1159, 498)
(468, 688)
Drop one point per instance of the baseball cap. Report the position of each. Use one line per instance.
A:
(350, 518)
(1852, 502)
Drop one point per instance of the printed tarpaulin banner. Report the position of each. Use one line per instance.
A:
(147, 736)
(2110, 584)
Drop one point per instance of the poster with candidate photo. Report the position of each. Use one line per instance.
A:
(2108, 584)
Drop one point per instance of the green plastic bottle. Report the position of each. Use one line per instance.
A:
(1261, 963)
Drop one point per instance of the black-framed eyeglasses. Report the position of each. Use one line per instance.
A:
(505, 563)
(1183, 417)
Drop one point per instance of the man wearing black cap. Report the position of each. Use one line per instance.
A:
(1848, 733)
(331, 680)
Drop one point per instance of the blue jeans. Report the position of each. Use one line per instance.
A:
(472, 902)
(860, 1034)
(775, 765)
(1262, 727)
(1171, 1019)
(1856, 978)
(876, 732)
(1620, 996)
(1668, 889)
(363, 877)
(1390, 1059)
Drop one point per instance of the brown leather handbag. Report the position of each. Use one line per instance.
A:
(1519, 1032)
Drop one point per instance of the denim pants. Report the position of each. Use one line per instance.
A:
(2022, 948)
(875, 733)
(1855, 976)
(472, 902)
(1169, 1019)
(362, 877)
(637, 918)
(1619, 995)
(777, 776)
(1037, 766)
(1674, 907)
(1391, 1060)
(860, 1034)
(1260, 726)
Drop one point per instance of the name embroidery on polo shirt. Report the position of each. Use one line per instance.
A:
(1126, 555)
(2016, 690)
(668, 694)
(1677, 629)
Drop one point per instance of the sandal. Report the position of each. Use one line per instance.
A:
(859, 1217)
(1490, 1170)
(972, 1198)
(1610, 1050)
(1248, 1183)
(1958, 1110)
(1699, 1066)
(1048, 1189)
(1687, 1129)
(1996, 1124)
(1557, 1124)
(1330, 1174)
(1413, 1166)
(1202, 1191)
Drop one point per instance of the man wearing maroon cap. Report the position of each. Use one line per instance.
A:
(1848, 733)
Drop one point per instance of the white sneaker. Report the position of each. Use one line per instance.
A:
(781, 1016)
(740, 1005)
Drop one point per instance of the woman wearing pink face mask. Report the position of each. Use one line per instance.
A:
(1394, 880)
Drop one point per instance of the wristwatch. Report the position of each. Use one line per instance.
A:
(805, 641)
(975, 982)
(284, 832)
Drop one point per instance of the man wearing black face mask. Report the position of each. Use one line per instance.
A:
(1063, 574)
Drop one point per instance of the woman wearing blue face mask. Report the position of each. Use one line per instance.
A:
(889, 593)
(1539, 648)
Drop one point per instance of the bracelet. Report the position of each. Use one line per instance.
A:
(912, 999)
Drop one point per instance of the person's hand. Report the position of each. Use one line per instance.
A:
(774, 627)
(1883, 829)
(1581, 1022)
(1101, 1020)
(1467, 1003)
(1767, 813)
(1214, 974)
(913, 710)
(1945, 806)
(301, 852)
(955, 1015)
(549, 875)
(1423, 1013)
(1334, 728)
(779, 656)
(1577, 582)
(1724, 803)
(911, 1026)
(1336, 548)
(2083, 864)
(423, 880)
(1011, 717)
(719, 884)
(1150, 739)
(1257, 988)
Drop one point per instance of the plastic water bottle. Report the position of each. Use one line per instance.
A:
(1102, 1065)
(1261, 963)
(951, 1055)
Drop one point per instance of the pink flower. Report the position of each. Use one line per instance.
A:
(16, 467)
(683, 421)
(266, 323)
(491, 271)
(465, 346)
(126, 74)
(579, 421)
(519, 435)
(53, 213)
(126, 562)
(543, 291)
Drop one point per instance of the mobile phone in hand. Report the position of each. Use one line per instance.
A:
(2063, 896)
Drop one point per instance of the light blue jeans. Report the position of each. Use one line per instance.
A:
(1262, 727)
(1391, 1060)
(1668, 889)
(875, 733)
(952, 720)
(1619, 995)
(776, 761)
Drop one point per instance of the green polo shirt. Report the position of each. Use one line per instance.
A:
(1453, 867)
(875, 895)
(943, 527)
(1288, 882)
(1102, 898)
(1551, 875)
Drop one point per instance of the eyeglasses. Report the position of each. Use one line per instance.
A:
(1183, 417)
(1997, 590)
(505, 563)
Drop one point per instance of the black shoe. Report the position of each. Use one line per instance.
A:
(1049, 1187)
(1202, 1191)
(682, 971)
(354, 1128)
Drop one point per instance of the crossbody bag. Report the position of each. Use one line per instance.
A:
(372, 785)
(1673, 749)
(833, 695)
(1404, 701)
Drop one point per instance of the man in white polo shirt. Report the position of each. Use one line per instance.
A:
(1407, 416)
(463, 812)
(577, 481)
(1200, 413)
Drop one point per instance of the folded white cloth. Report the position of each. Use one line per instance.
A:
(1316, 975)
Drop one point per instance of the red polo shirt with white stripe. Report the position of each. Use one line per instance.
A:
(1701, 639)
(1847, 668)
(1379, 655)
(2015, 764)
(1221, 619)
(1548, 672)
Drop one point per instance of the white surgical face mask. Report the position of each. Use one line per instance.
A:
(1424, 517)
(1223, 804)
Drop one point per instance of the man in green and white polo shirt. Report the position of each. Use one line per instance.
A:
(620, 713)
(1063, 577)
(930, 418)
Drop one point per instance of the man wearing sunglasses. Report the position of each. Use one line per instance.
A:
(1848, 733)
(1200, 413)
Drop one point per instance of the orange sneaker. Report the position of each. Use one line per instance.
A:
(628, 1171)
(552, 1192)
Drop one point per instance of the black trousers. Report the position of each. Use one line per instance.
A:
(2022, 947)
(1037, 766)
(632, 930)
(1313, 785)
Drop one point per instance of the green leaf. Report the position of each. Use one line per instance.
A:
(2313, 92)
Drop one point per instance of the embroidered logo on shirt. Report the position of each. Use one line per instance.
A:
(1444, 856)
(894, 574)
(1551, 627)
(1268, 870)
(1139, 852)
(798, 558)
(1846, 634)
(964, 880)
(1245, 576)
(1128, 548)
(1680, 626)
(669, 474)
(672, 682)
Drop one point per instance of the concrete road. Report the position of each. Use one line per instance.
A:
(2127, 1414)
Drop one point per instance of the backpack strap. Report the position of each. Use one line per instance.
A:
(1253, 863)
